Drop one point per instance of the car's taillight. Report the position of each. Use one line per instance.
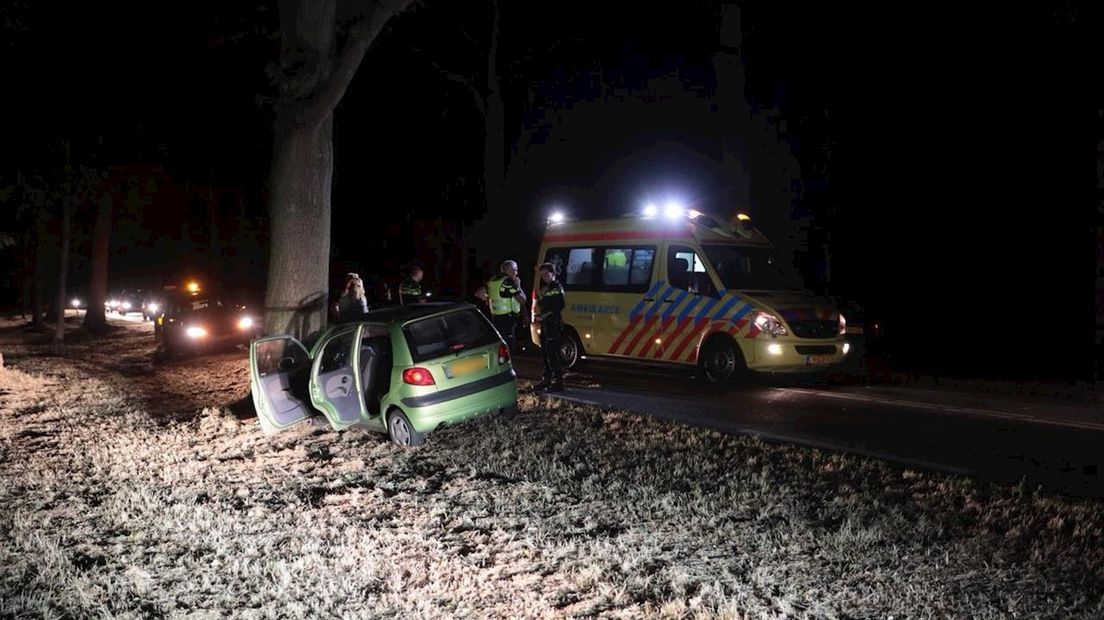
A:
(417, 376)
(503, 354)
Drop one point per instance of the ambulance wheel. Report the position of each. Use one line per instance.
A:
(571, 350)
(722, 361)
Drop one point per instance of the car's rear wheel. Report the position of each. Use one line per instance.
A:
(401, 431)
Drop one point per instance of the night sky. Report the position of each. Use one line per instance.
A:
(948, 154)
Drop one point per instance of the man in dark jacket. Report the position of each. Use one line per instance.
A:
(410, 291)
(550, 305)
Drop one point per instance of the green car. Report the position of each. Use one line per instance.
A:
(403, 370)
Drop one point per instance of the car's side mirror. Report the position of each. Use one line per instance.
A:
(286, 363)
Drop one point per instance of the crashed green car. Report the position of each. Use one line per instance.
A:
(402, 370)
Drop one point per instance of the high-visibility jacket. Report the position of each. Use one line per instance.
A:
(503, 296)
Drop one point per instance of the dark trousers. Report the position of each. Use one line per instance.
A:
(506, 324)
(550, 336)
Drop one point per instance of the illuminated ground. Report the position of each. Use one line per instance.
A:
(135, 488)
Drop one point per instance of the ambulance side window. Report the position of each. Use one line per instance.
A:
(574, 267)
(685, 270)
(604, 269)
(627, 269)
(580, 267)
(642, 260)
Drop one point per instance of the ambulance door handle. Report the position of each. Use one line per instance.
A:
(666, 301)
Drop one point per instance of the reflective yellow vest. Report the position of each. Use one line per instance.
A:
(499, 304)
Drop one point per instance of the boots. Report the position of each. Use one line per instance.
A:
(549, 385)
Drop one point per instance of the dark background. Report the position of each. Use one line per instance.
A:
(947, 154)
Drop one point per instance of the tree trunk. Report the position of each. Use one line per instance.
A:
(28, 272)
(735, 114)
(63, 273)
(94, 318)
(488, 232)
(301, 178)
(299, 203)
(39, 273)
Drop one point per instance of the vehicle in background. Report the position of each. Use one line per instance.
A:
(194, 320)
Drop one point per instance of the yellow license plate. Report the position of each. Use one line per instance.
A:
(466, 366)
(818, 359)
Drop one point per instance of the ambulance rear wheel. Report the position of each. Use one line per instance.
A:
(722, 360)
(571, 350)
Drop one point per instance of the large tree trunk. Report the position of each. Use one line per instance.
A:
(302, 162)
(28, 272)
(38, 295)
(735, 114)
(498, 219)
(94, 318)
(301, 178)
(298, 269)
(63, 273)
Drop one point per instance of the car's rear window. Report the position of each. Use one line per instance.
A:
(450, 333)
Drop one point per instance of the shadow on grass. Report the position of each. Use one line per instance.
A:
(243, 408)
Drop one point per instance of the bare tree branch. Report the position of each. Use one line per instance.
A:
(467, 82)
(492, 56)
(361, 36)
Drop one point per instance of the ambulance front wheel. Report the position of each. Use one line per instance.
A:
(571, 350)
(722, 360)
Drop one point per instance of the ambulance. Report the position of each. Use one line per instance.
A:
(686, 288)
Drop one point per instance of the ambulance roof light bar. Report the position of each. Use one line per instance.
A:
(673, 210)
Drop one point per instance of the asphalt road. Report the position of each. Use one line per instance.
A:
(1004, 438)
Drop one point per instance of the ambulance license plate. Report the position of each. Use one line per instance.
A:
(812, 360)
(466, 366)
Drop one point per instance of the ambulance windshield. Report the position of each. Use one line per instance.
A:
(750, 268)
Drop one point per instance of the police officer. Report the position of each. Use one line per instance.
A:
(550, 304)
(410, 291)
(507, 299)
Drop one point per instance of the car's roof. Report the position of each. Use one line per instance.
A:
(401, 314)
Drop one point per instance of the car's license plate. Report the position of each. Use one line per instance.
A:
(466, 366)
(818, 359)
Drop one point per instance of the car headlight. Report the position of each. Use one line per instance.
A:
(153, 307)
(126, 305)
(195, 332)
(76, 303)
(245, 322)
(770, 324)
(843, 325)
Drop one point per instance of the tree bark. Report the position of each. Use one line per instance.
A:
(63, 273)
(494, 132)
(95, 319)
(301, 176)
(298, 270)
(28, 272)
(735, 114)
(485, 233)
(39, 273)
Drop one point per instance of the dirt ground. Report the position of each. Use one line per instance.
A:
(131, 487)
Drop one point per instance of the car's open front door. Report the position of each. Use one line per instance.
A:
(279, 368)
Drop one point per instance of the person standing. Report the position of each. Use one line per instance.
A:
(550, 305)
(507, 300)
(482, 300)
(353, 304)
(410, 291)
